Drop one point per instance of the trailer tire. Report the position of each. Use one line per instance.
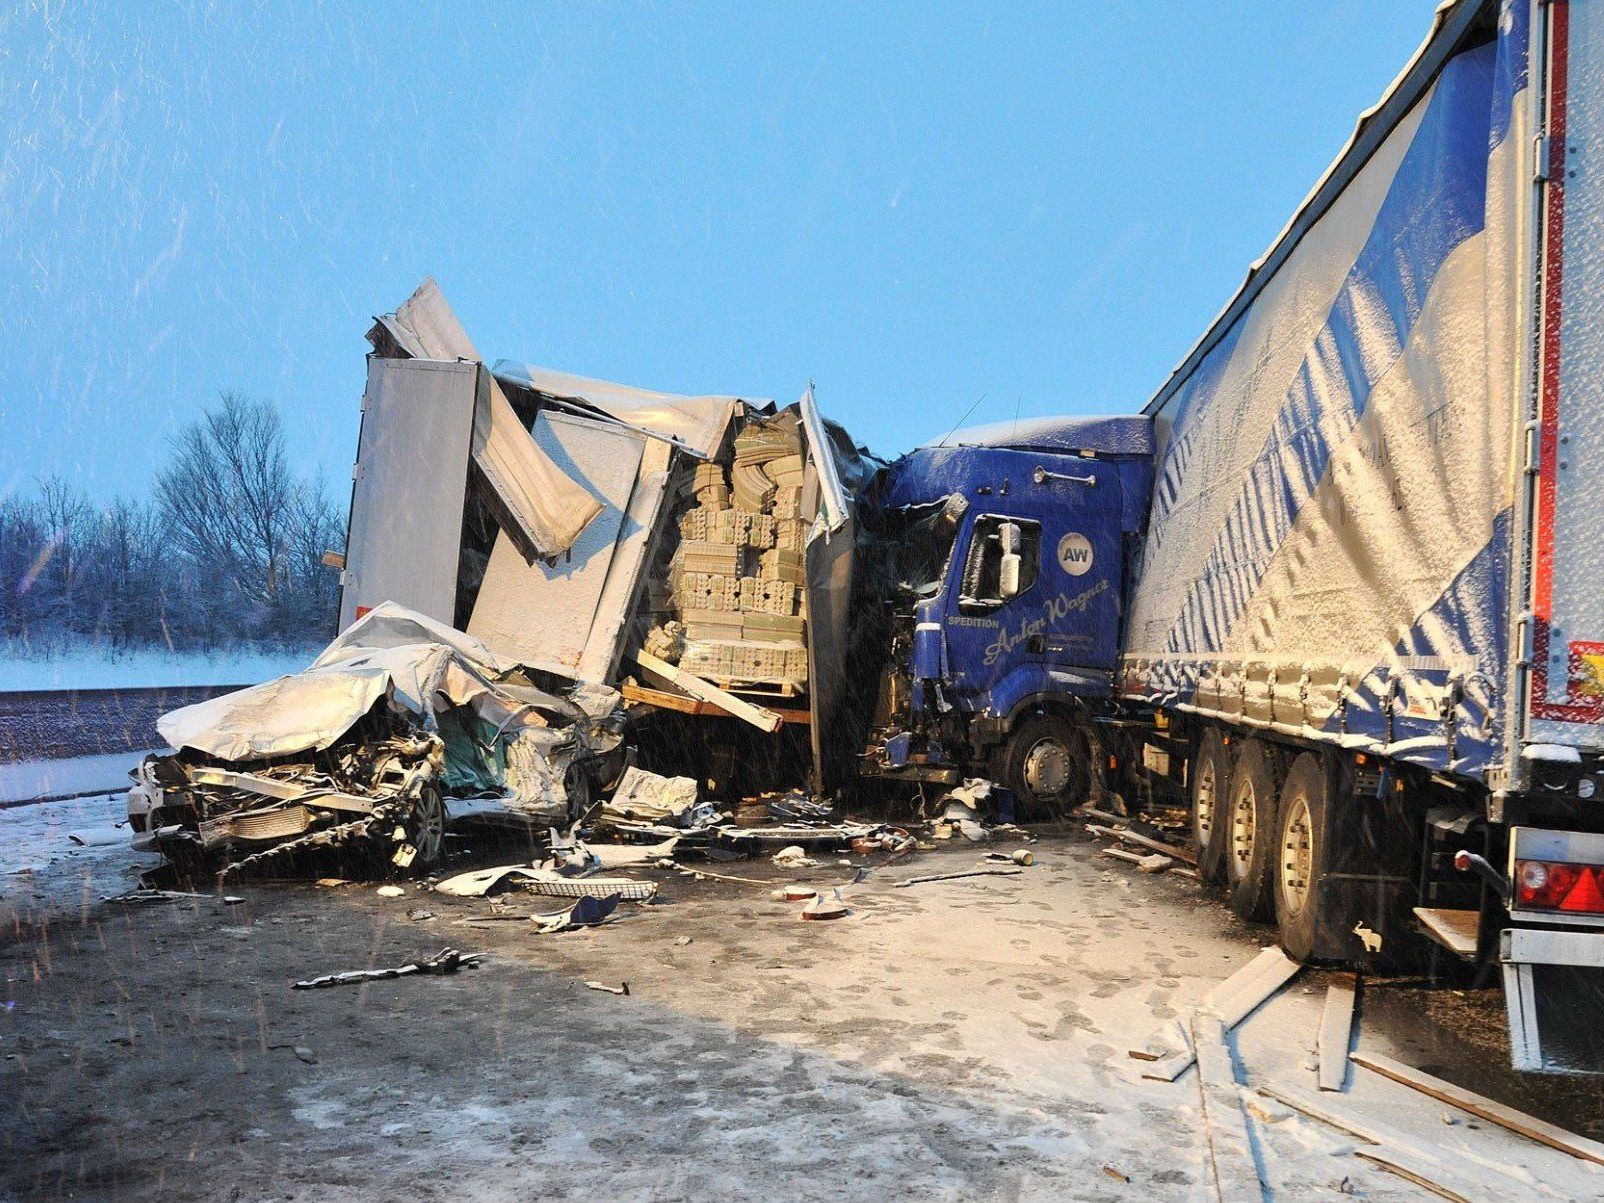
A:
(1250, 831)
(1300, 854)
(1044, 764)
(1211, 784)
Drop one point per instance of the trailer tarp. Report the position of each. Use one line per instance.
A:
(1328, 541)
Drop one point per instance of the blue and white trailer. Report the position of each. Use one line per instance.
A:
(1340, 589)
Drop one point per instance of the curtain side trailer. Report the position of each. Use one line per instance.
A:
(1345, 603)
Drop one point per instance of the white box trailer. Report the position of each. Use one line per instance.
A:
(531, 508)
(1368, 612)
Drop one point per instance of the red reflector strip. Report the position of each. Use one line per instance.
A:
(1585, 896)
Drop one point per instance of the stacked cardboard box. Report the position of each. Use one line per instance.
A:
(736, 580)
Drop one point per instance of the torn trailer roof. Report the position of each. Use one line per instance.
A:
(591, 530)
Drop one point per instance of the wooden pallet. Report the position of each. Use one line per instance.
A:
(681, 704)
(767, 689)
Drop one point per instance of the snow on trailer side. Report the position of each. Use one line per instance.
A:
(1329, 541)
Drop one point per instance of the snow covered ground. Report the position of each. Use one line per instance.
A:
(62, 778)
(147, 668)
(954, 1040)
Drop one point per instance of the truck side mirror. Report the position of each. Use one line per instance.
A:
(1008, 575)
(1009, 538)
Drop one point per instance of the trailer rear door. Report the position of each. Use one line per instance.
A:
(1566, 698)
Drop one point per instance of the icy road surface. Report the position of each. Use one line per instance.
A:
(957, 1040)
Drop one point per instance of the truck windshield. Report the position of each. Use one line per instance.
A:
(923, 535)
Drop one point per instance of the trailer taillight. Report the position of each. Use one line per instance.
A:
(1558, 886)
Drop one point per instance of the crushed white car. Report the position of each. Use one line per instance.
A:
(364, 748)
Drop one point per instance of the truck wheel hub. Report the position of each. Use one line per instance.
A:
(1047, 768)
(1297, 855)
(1204, 810)
(1242, 831)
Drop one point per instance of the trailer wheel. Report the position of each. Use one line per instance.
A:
(1044, 763)
(1250, 831)
(1211, 785)
(1300, 854)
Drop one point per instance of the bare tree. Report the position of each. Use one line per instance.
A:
(227, 494)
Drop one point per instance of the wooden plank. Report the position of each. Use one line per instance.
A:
(1130, 858)
(761, 718)
(1230, 1144)
(1141, 841)
(1396, 1151)
(1233, 1000)
(1336, 1030)
(684, 704)
(1457, 931)
(1528, 1126)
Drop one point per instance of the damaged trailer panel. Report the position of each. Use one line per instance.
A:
(545, 510)
(710, 516)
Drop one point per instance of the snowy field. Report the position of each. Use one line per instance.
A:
(149, 668)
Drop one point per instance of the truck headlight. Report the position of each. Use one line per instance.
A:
(1586, 787)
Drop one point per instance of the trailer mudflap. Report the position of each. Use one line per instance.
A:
(1553, 985)
(1361, 918)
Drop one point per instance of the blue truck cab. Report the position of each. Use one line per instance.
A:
(1011, 546)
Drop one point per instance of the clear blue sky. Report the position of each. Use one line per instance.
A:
(1038, 206)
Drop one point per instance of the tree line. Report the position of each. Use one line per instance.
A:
(225, 551)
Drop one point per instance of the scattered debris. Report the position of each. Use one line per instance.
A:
(795, 894)
(419, 915)
(1336, 1030)
(1233, 1000)
(1141, 841)
(1528, 1126)
(147, 895)
(447, 960)
(390, 892)
(795, 804)
(1116, 1174)
(1397, 1152)
(914, 881)
(793, 857)
(476, 883)
(586, 912)
(622, 988)
(822, 907)
(663, 801)
(682, 941)
(1231, 1160)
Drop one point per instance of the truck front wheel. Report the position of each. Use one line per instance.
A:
(1250, 830)
(1044, 764)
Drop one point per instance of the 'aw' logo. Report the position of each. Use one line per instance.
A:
(1075, 554)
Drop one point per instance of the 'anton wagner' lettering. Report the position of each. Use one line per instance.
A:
(1053, 609)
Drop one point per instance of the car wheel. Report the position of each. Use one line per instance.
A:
(426, 826)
